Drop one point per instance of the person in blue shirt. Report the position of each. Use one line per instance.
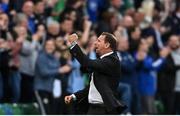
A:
(146, 69)
(28, 10)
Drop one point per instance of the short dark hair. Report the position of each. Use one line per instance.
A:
(3, 13)
(37, 1)
(111, 39)
(64, 18)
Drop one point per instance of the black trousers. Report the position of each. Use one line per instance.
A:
(99, 109)
(168, 100)
(44, 100)
(177, 103)
(27, 85)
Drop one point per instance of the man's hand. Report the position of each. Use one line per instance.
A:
(73, 37)
(68, 99)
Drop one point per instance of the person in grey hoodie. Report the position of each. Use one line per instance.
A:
(46, 70)
(28, 56)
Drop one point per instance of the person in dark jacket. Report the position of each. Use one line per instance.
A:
(6, 78)
(101, 94)
(167, 76)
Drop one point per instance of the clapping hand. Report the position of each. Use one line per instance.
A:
(164, 52)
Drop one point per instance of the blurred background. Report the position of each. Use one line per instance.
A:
(37, 70)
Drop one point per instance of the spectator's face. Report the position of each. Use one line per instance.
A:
(5, 1)
(67, 26)
(24, 23)
(128, 21)
(78, 4)
(123, 44)
(92, 40)
(150, 41)
(21, 32)
(138, 18)
(136, 34)
(174, 42)
(116, 3)
(72, 15)
(143, 47)
(51, 3)
(100, 45)
(53, 29)
(28, 8)
(4, 21)
(40, 7)
(59, 42)
(50, 46)
(114, 21)
(41, 30)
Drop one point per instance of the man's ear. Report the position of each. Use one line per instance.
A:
(107, 45)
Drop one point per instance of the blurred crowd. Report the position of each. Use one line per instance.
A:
(36, 66)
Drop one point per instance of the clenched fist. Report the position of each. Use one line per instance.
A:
(71, 38)
(68, 99)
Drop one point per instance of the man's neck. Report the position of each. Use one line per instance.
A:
(106, 53)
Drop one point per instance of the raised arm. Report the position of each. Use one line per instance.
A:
(104, 65)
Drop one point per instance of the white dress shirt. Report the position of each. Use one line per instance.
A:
(94, 96)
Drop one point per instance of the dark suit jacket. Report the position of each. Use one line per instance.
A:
(167, 76)
(106, 78)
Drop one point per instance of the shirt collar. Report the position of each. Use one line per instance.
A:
(107, 54)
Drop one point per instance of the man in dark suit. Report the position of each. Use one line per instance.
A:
(101, 95)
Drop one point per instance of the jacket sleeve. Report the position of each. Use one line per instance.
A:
(27, 48)
(44, 70)
(128, 65)
(148, 63)
(168, 66)
(80, 95)
(101, 65)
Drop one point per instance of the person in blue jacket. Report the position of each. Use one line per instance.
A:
(4, 6)
(146, 69)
